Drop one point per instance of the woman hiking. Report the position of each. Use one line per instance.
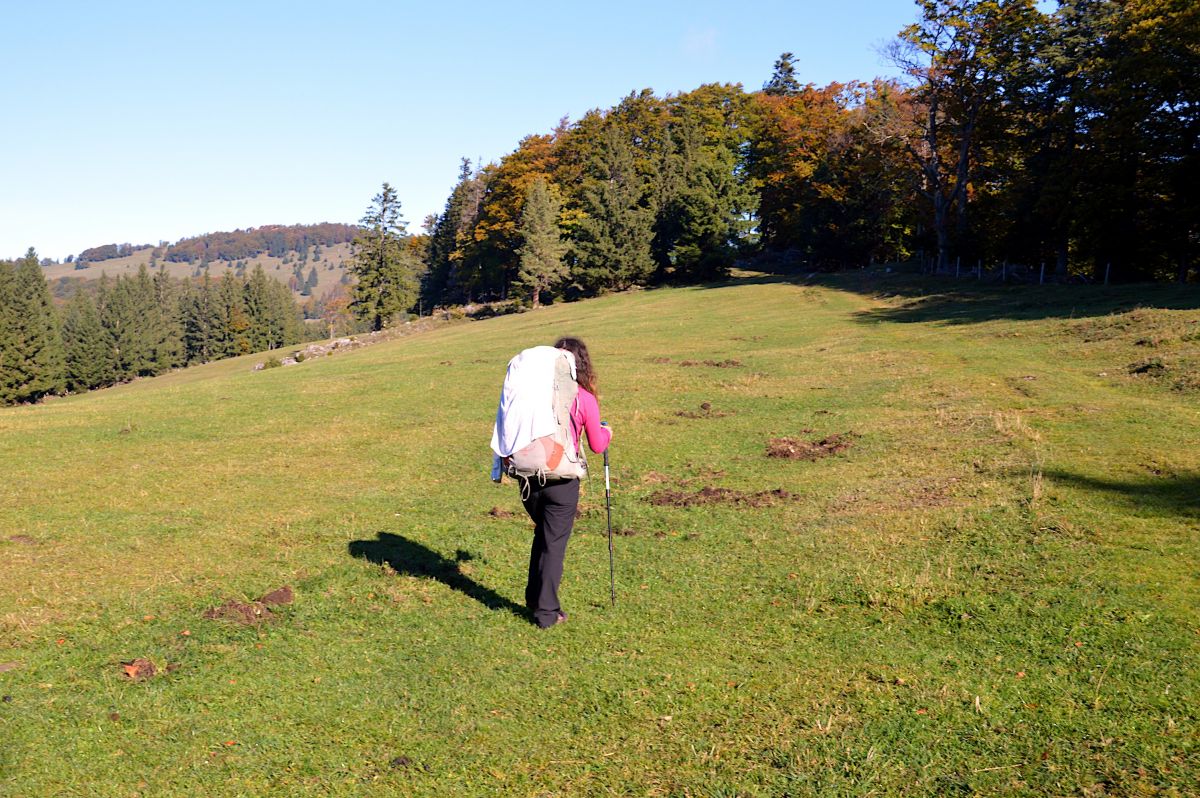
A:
(550, 500)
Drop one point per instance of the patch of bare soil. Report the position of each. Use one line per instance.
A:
(716, 364)
(797, 449)
(660, 361)
(706, 411)
(712, 495)
(499, 512)
(239, 612)
(9, 666)
(250, 613)
(22, 539)
(280, 596)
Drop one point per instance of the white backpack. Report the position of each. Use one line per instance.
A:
(552, 455)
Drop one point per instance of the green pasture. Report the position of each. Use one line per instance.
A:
(994, 591)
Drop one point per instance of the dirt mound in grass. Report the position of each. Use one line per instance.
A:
(240, 612)
(706, 411)
(797, 449)
(500, 512)
(712, 495)
(249, 613)
(280, 596)
(728, 363)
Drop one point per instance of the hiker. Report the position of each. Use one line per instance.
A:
(548, 478)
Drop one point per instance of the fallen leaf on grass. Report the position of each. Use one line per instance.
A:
(139, 669)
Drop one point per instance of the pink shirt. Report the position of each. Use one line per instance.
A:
(585, 415)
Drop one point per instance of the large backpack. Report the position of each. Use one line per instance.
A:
(552, 456)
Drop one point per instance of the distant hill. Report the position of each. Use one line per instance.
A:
(289, 253)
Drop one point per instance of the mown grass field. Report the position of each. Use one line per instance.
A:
(993, 591)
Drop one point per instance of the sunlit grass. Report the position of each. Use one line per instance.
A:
(993, 591)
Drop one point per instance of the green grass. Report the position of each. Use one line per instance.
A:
(993, 592)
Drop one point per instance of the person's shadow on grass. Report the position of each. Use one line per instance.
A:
(406, 556)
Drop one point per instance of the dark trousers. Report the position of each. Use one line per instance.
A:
(552, 508)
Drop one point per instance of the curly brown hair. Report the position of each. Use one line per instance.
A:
(584, 373)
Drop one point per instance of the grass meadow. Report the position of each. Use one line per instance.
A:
(993, 591)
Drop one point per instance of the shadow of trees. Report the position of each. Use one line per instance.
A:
(409, 557)
(1171, 495)
(962, 302)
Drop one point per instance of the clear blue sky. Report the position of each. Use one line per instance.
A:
(146, 121)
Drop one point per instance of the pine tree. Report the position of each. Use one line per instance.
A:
(168, 350)
(385, 269)
(542, 267)
(198, 316)
(442, 283)
(87, 347)
(783, 80)
(258, 311)
(612, 241)
(31, 354)
(231, 323)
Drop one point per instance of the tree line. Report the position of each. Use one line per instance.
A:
(134, 326)
(273, 240)
(1067, 138)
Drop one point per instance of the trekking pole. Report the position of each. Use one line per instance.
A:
(612, 579)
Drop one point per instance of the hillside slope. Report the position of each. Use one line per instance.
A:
(330, 268)
(991, 589)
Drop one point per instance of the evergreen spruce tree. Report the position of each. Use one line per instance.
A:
(87, 347)
(783, 80)
(198, 317)
(542, 267)
(31, 353)
(439, 285)
(7, 327)
(258, 311)
(386, 270)
(232, 326)
(612, 240)
(700, 207)
(168, 352)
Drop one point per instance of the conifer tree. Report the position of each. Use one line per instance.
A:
(199, 318)
(385, 269)
(612, 241)
(541, 267)
(86, 345)
(168, 353)
(441, 283)
(232, 324)
(31, 354)
(783, 80)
